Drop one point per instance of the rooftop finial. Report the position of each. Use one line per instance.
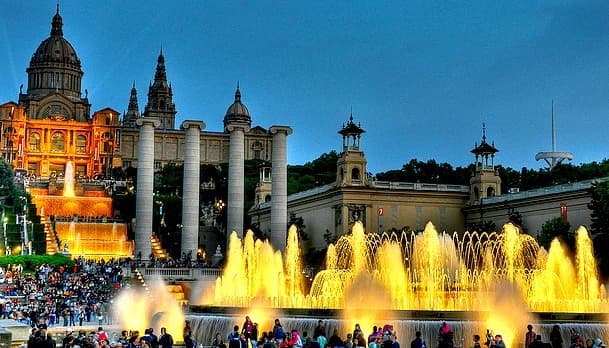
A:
(484, 131)
(57, 24)
(238, 93)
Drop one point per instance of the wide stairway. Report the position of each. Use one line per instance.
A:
(50, 236)
(176, 291)
(157, 249)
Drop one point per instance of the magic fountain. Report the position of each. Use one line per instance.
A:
(81, 210)
(492, 280)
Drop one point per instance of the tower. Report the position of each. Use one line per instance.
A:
(263, 188)
(553, 158)
(351, 164)
(485, 182)
(133, 112)
(160, 97)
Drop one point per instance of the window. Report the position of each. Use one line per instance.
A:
(57, 142)
(107, 142)
(34, 142)
(257, 149)
(158, 165)
(355, 174)
(81, 144)
(126, 164)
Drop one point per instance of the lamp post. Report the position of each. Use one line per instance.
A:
(4, 222)
(219, 207)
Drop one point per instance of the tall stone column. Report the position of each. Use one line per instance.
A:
(145, 186)
(279, 188)
(236, 174)
(190, 197)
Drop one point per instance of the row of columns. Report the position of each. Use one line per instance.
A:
(190, 199)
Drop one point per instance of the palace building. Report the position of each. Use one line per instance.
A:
(51, 123)
(51, 130)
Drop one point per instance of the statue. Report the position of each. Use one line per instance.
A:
(216, 259)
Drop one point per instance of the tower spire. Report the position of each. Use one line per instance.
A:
(553, 158)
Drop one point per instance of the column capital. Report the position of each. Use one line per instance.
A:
(233, 126)
(192, 124)
(281, 129)
(155, 122)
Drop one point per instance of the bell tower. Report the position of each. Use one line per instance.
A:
(160, 97)
(485, 182)
(351, 164)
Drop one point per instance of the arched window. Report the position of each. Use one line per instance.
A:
(57, 142)
(267, 198)
(162, 104)
(476, 193)
(490, 191)
(34, 142)
(81, 144)
(355, 175)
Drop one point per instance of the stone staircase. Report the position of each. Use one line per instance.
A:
(50, 236)
(175, 290)
(178, 294)
(157, 249)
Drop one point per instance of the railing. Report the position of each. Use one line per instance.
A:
(178, 273)
(575, 186)
(418, 186)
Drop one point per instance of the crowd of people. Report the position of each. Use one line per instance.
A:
(67, 296)
(249, 335)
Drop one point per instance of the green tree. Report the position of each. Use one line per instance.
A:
(599, 229)
(556, 228)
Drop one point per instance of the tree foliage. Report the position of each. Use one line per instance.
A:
(31, 262)
(319, 172)
(556, 228)
(599, 229)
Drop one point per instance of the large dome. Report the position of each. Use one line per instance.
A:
(54, 67)
(237, 112)
(55, 50)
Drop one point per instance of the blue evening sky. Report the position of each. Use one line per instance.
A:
(420, 76)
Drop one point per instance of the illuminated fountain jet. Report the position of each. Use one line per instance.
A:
(553, 158)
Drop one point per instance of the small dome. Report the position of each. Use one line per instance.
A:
(56, 49)
(237, 112)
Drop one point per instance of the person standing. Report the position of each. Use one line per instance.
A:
(166, 340)
(529, 337)
(418, 342)
(320, 329)
(556, 337)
